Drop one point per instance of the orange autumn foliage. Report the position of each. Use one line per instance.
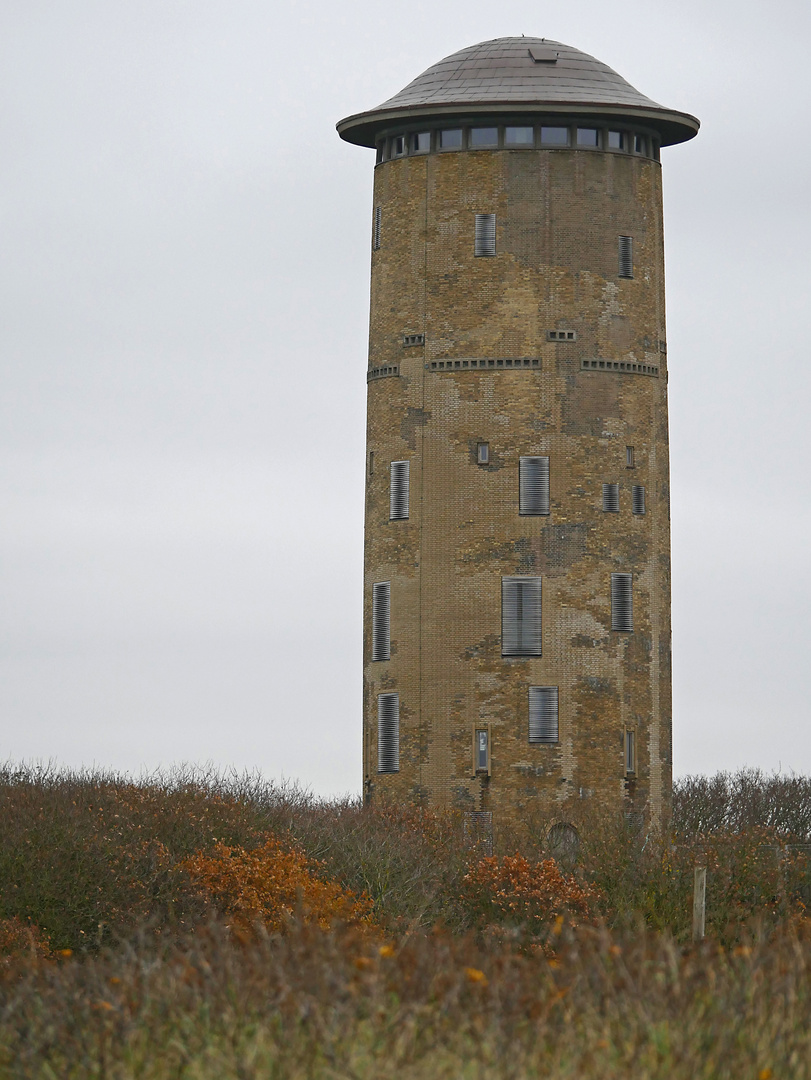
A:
(270, 885)
(521, 891)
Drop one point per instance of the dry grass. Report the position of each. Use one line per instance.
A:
(313, 1004)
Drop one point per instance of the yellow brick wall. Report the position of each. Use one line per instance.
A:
(559, 216)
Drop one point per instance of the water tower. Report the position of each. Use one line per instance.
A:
(517, 647)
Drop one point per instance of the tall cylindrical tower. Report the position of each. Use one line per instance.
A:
(517, 552)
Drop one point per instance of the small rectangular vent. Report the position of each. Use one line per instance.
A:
(638, 499)
(521, 621)
(542, 54)
(626, 257)
(410, 340)
(543, 714)
(485, 236)
(533, 485)
(492, 363)
(398, 491)
(561, 335)
(388, 733)
(629, 367)
(622, 603)
(381, 620)
(376, 229)
(611, 498)
(387, 371)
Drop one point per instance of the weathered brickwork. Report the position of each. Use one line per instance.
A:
(559, 214)
(551, 348)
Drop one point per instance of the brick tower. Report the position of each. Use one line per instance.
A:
(517, 552)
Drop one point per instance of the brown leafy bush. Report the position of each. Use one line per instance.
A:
(532, 894)
(269, 885)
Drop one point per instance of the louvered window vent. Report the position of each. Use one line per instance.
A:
(611, 498)
(622, 603)
(638, 499)
(381, 620)
(485, 235)
(388, 733)
(398, 491)
(543, 714)
(413, 339)
(561, 335)
(533, 485)
(521, 620)
(376, 229)
(626, 257)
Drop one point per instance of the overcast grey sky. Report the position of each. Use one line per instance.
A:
(184, 265)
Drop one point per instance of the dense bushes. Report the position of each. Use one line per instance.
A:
(205, 926)
(86, 858)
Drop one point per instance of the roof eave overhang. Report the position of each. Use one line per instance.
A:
(363, 128)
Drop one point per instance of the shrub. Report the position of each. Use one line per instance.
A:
(530, 894)
(269, 885)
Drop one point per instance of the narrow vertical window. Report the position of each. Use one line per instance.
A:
(626, 257)
(381, 620)
(629, 457)
(483, 453)
(521, 622)
(638, 499)
(398, 491)
(630, 752)
(484, 242)
(611, 498)
(482, 750)
(376, 229)
(371, 462)
(388, 733)
(622, 602)
(543, 714)
(533, 485)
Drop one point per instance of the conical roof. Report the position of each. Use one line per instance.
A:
(519, 75)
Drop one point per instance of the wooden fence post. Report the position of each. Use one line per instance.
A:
(699, 901)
